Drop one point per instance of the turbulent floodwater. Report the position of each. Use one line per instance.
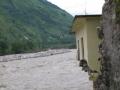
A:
(56, 72)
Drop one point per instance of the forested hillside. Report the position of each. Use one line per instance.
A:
(33, 25)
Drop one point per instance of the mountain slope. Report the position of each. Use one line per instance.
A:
(30, 25)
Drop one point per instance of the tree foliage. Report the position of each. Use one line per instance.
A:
(33, 25)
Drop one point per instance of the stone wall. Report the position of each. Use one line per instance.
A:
(110, 48)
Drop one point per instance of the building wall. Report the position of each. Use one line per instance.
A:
(87, 28)
(82, 33)
(93, 41)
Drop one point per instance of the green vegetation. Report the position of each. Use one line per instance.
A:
(117, 10)
(33, 25)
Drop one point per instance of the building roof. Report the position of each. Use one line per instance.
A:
(82, 17)
(92, 15)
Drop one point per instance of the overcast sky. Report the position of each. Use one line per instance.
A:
(77, 7)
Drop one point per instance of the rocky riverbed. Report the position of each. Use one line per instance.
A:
(51, 72)
(13, 57)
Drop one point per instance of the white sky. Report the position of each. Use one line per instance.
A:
(78, 7)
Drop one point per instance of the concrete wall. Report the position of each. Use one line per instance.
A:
(93, 41)
(87, 30)
(82, 33)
